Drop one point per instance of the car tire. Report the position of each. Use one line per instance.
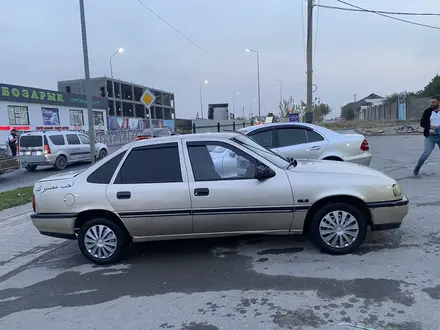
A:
(30, 168)
(103, 255)
(328, 225)
(102, 154)
(60, 163)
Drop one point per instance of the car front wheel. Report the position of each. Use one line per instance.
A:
(102, 241)
(339, 228)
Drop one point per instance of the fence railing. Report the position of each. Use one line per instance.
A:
(119, 137)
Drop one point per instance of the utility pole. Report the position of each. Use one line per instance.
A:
(88, 82)
(309, 59)
(355, 97)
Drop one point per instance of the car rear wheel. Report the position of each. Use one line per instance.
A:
(60, 163)
(339, 228)
(102, 241)
(102, 154)
(30, 168)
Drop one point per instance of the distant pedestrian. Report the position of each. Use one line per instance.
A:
(12, 141)
(430, 123)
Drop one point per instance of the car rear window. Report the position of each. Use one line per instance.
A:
(57, 140)
(31, 141)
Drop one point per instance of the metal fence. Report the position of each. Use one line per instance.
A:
(114, 138)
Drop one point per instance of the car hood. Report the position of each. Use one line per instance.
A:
(340, 168)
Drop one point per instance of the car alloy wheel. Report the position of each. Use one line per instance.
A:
(100, 241)
(339, 229)
(102, 154)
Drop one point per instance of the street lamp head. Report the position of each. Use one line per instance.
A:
(120, 50)
(248, 50)
(206, 81)
(238, 93)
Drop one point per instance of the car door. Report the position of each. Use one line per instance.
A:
(240, 203)
(293, 142)
(85, 146)
(150, 191)
(74, 147)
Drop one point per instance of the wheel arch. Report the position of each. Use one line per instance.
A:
(347, 199)
(334, 158)
(84, 216)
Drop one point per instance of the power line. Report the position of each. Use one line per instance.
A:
(390, 17)
(379, 11)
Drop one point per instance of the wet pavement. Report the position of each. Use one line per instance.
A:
(258, 282)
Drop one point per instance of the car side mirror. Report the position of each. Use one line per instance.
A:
(232, 154)
(263, 172)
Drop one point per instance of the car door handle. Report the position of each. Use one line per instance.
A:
(123, 195)
(314, 148)
(201, 192)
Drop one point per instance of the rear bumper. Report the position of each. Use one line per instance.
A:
(362, 159)
(60, 225)
(37, 160)
(388, 215)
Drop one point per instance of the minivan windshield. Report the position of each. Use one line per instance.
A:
(31, 141)
(271, 156)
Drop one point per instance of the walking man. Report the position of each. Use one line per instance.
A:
(431, 128)
(12, 141)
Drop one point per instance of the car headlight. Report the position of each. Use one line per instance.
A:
(397, 190)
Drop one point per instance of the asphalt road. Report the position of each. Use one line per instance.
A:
(249, 283)
(23, 178)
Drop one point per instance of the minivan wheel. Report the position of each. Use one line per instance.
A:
(60, 163)
(30, 168)
(102, 241)
(338, 228)
(102, 154)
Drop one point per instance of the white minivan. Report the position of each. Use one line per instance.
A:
(56, 148)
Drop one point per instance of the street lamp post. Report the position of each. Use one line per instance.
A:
(233, 103)
(258, 79)
(281, 91)
(119, 51)
(88, 82)
(201, 99)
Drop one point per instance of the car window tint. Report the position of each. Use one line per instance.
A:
(104, 173)
(57, 140)
(72, 139)
(158, 164)
(291, 137)
(209, 165)
(312, 136)
(84, 139)
(31, 141)
(264, 139)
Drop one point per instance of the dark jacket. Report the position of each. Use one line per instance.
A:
(425, 122)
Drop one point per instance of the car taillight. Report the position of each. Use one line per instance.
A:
(47, 149)
(33, 203)
(365, 146)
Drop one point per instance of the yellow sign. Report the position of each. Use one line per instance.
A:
(148, 98)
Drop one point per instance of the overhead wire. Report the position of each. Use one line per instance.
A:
(390, 17)
(379, 11)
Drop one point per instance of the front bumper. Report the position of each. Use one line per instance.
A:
(389, 214)
(61, 225)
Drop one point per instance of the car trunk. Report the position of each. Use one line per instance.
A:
(32, 148)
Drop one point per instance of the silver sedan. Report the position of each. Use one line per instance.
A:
(307, 141)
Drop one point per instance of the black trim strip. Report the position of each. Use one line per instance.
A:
(302, 208)
(245, 210)
(58, 235)
(400, 202)
(79, 153)
(155, 213)
(53, 215)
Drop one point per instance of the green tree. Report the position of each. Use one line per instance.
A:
(320, 110)
(432, 89)
(349, 111)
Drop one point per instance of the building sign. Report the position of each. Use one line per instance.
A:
(294, 117)
(17, 128)
(52, 128)
(21, 94)
(51, 116)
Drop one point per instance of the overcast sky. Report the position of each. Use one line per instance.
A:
(356, 53)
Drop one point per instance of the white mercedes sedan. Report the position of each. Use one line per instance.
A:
(307, 141)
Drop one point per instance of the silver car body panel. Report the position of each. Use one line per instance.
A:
(278, 205)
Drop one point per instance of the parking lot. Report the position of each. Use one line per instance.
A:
(262, 282)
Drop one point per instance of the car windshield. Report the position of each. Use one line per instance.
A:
(271, 156)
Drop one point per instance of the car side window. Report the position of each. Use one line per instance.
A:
(84, 139)
(291, 136)
(72, 139)
(158, 163)
(104, 173)
(209, 165)
(264, 139)
(312, 136)
(57, 140)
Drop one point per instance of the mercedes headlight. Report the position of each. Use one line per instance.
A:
(397, 190)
